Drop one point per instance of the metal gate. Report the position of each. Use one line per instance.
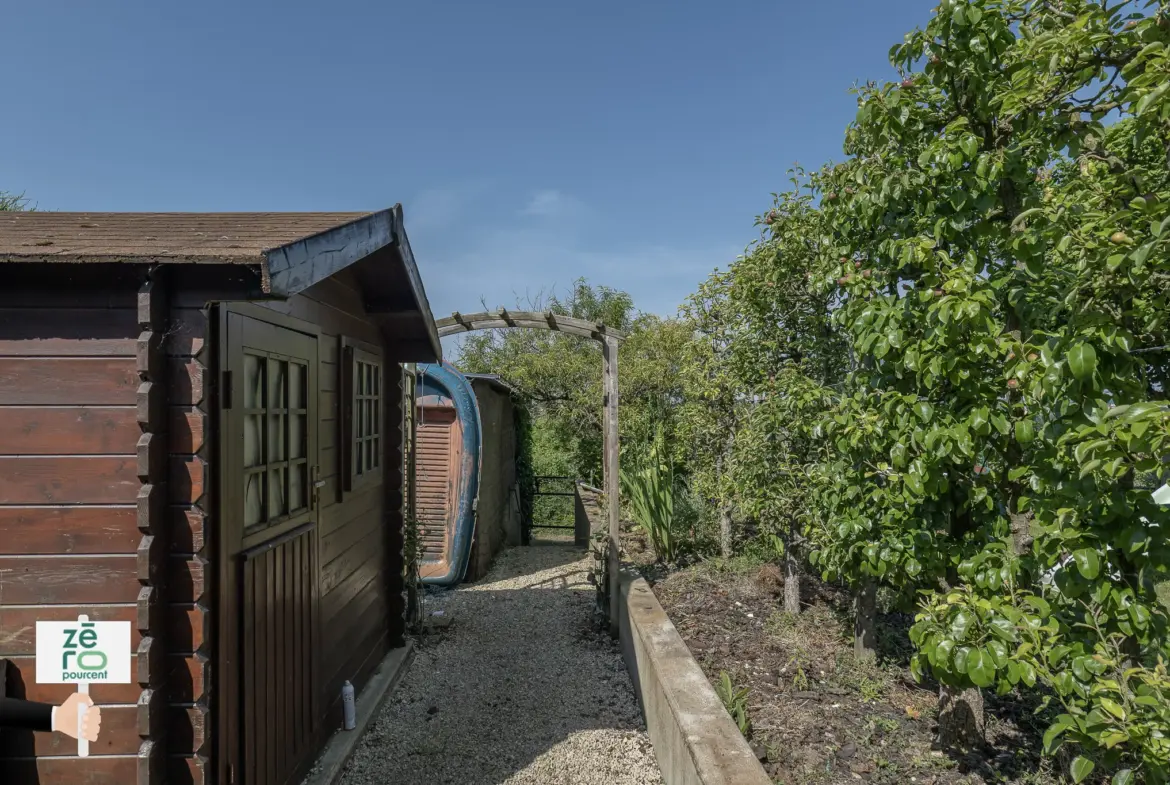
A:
(576, 520)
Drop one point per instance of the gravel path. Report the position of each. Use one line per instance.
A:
(520, 689)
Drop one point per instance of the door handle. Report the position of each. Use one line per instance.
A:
(317, 485)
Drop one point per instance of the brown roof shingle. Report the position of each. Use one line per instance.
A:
(240, 238)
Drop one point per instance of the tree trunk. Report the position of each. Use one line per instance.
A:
(960, 717)
(725, 538)
(865, 620)
(791, 581)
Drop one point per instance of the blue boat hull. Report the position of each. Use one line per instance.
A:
(447, 492)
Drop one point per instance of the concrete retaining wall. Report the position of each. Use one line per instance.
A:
(695, 740)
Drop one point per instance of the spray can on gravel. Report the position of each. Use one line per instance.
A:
(347, 706)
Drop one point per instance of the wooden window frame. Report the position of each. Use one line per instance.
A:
(286, 412)
(353, 352)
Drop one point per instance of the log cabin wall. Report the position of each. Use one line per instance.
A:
(192, 515)
(109, 423)
(83, 478)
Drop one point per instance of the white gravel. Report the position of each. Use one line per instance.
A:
(520, 689)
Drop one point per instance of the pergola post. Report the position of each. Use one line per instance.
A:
(610, 341)
(609, 348)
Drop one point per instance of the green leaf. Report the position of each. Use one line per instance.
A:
(1113, 708)
(1113, 738)
(898, 455)
(924, 411)
(1088, 562)
(1025, 431)
(1123, 777)
(1081, 767)
(1003, 628)
(981, 668)
(940, 655)
(1082, 361)
(1000, 423)
(1141, 254)
(960, 624)
(1062, 723)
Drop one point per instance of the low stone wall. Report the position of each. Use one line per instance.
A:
(695, 740)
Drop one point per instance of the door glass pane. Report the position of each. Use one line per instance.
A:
(277, 503)
(298, 484)
(296, 436)
(253, 498)
(277, 384)
(276, 445)
(369, 453)
(359, 425)
(253, 440)
(296, 385)
(253, 381)
(376, 455)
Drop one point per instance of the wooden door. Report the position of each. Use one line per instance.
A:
(269, 519)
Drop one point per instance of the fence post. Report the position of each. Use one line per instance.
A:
(610, 354)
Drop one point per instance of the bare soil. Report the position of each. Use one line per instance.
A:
(817, 713)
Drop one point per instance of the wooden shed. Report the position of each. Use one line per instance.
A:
(497, 514)
(201, 432)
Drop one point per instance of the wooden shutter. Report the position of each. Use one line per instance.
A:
(435, 481)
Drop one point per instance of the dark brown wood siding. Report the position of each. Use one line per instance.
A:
(191, 608)
(69, 483)
(360, 532)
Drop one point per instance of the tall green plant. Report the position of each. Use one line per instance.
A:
(999, 238)
(648, 484)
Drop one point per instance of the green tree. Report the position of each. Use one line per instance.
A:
(560, 376)
(1001, 253)
(760, 369)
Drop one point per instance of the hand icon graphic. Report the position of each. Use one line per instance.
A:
(65, 717)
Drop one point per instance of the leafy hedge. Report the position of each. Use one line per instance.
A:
(994, 257)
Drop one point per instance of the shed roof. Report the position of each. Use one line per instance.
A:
(290, 251)
(492, 380)
(243, 238)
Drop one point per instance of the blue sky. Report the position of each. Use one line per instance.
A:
(530, 141)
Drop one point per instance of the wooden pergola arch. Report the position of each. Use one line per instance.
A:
(610, 341)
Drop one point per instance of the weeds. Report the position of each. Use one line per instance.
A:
(780, 624)
(648, 484)
(870, 689)
(884, 724)
(735, 701)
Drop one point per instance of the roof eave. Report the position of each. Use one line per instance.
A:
(293, 268)
(402, 243)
